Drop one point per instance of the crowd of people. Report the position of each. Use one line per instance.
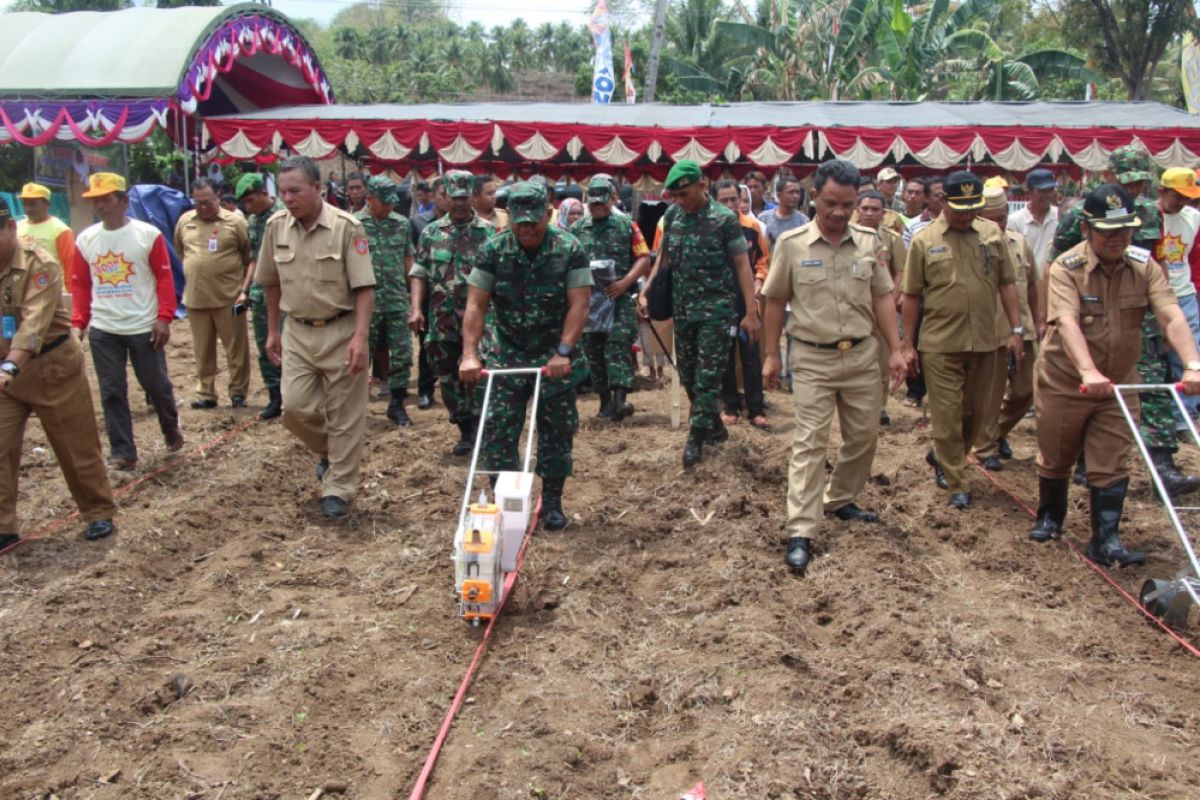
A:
(984, 316)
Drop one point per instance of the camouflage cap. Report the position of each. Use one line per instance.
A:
(382, 188)
(527, 202)
(459, 183)
(600, 189)
(1130, 164)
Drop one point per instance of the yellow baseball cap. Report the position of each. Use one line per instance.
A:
(102, 183)
(996, 181)
(1182, 180)
(34, 191)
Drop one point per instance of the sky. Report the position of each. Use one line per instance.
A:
(489, 14)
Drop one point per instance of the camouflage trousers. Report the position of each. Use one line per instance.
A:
(1157, 423)
(609, 354)
(557, 421)
(389, 326)
(462, 404)
(258, 317)
(701, 354)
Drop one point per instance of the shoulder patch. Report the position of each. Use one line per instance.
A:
(360, 245)
(41, 279)
(1139, 254)
(1073, 260)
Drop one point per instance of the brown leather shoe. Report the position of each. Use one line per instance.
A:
(123, 464)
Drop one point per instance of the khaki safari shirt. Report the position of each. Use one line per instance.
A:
(31, 291)
(1109, 310)
(830, 288)
(215, 255)
(1022, 256)
(317, 270)
(960, 274)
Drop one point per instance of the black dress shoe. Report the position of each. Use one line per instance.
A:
(333, 507)
(852, 513)
(993, 464)
(237, 401)
(322, 468)
(939, 477)
(98, 529)
(1004, 449)
(204, 404)
(799, 553)
(884, 419)
(425, 401)
(7, 540)
(961, 500)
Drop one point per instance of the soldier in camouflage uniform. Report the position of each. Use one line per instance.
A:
(606, 236)
(539, 279)
(1130, 167)
(705, 252)
(446, 254)
(389, 237)
(251, 192)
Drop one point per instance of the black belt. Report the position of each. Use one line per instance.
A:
(843, 344)
(53, 344)
(319, 323)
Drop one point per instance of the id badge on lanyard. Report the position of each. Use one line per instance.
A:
(212, 242)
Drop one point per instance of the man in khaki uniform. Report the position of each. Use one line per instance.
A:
(1098, 293)
(836, 278)
(42, 371)
(483, 200)
(993, 442)
(215, 247)
(871, 215)
(959, 263)
(316, 267)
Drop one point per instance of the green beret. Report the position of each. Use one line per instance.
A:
(683, 174)
(250, 182)
(382, 188)
(527, 202)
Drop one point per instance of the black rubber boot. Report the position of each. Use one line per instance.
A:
(466, 439)
(606, 405)
(395, 410)
(1177, 484)
(1080, 472)
(553, 518)
(621, 407)
(1105, 548)
(274, 406)
(718, 433)
(1052, 509)
(693, 451)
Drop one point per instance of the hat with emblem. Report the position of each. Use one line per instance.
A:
(683, 174)
(34, 191)
(527, 202)
(1040, 179)
(600, 189)
(964, 191)
(104, 183)
(887, 174)
(459, 183)
(1109, 207)
(1182, 180)
(994, 197)
(250, 182)
(383, 189)
(1130, 164)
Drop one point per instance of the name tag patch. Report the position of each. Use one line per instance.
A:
(812, 262)
(941, 248)
(1090, 298)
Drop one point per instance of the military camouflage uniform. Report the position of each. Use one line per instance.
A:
(390, 243)
(1129, 164)
(700, 248)
(608, 354)
(258, 299)
(529, 295)
(446, 255)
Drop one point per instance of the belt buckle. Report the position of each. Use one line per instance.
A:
(845, 344)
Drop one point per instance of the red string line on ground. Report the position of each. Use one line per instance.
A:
(510, 580)
(1103, 573)
(53, 525)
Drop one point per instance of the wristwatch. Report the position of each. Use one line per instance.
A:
(9, 368)
(1019, 330)
(1193, 366)
(565, 350)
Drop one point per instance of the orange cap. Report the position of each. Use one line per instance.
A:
(102, 183)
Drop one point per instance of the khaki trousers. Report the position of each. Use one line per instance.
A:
(56, 387)
(1069, 423)
(1011, 407)
(822, 381)
(885, 375)
(323, 404)
(961, 401)
(209, 325)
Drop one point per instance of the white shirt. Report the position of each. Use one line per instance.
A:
(1175, 248)
(124, 288)
(1040, 237)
